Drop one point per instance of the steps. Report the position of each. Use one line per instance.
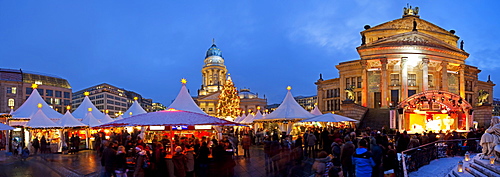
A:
(477, 167)
(376, 118)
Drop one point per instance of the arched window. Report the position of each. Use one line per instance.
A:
(11, 102)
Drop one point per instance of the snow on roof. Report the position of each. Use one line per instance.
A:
(30, 107)
(67, 120)
(185, 102)
(82, 110)
(90, 120)
(316, 111)
(135, 109)
(289, 109)
(40, 120)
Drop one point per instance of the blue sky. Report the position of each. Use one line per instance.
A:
(148, 46)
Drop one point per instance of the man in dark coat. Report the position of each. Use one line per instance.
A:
(346, 157)
(107, 160)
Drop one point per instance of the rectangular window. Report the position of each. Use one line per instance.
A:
(359, 82)
(117, 103)
(12, 90)
(110, 107)
(58, 94)
(29, 90)
(430, 80)
(110, 96)
(394, 97)
(99, 96)
(468, 85)
(49, 93)
(57, 101)
(210, 109)
(359, 97)
(347, 83)
(110, 102)
(412, 79)
(411, 92)
(66, 102)
(66, 95)
(48, 100)
(394, 79)
(40, 91)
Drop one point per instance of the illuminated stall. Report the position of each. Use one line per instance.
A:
(434, 111)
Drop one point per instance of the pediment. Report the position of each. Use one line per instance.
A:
(211, 96)
(407, 23)
(413, 38)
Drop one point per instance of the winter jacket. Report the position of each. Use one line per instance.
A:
(180, 164)
(346, 153)
(321, 166)
(362, 159)
(311, 140)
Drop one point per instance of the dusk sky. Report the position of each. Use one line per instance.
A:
(148, 46)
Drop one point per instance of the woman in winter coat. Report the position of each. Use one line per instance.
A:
(180, 162)
(121, 162)
(322, 164)
(362, 160)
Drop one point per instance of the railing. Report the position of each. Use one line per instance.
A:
(414, 158)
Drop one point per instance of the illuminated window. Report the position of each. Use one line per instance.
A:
(412, 79)
(11, 102)
(394, 79)
(430, 80)
(359, 82)
(347, 83)
(12, 90)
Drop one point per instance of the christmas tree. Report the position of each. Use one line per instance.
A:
(228, 105)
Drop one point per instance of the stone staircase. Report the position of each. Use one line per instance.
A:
(375, 118)
(477, 167)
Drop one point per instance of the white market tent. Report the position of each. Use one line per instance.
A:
(237, 119)
(82, 110)
(67, 120)
(248, 119)
(106, 119)
(243, 116)
(119, 117)
(5, 127)
(289, 109)
(316, 111)
(40, 120)
(135, 109)
(185, 102)
(258, 116)
(29, 108)
(90, 120)
(329, 117)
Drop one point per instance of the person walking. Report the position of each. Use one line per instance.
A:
(108, 160)
(180, 162)
(36, 145)
(245, 143)
(311, 142)
(322, 164)
(346, 157)
(121, 162)
(362, 160)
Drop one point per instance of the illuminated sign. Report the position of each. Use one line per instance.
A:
(180, 127)
(203, 127)
(156, 127)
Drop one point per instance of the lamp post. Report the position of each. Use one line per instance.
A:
(460, 167)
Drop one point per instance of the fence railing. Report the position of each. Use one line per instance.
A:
(414, 158)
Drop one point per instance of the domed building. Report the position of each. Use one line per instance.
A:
(411, 75)
(214, 75)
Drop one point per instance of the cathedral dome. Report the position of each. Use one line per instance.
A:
(245, 93)
(214, 51)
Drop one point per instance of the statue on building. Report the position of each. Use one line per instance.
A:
(483, 97)
(462, 45)
(350, 93)
(408, 10)
(490, 141)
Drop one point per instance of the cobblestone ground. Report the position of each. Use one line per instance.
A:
(87, 163)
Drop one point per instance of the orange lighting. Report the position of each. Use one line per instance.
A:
(86, 93)
(183, 81)
(130, 113)
(135, 98)
(107, 111)
(39, 105)
(171, 109)
(34, 86)
(258, 107)
(89, 109)
(68, 107)
(289, 88)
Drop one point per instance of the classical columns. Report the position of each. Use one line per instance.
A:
(384, 89)
(444, 75)
(425, 74)
(404, 78)
(461, 71)
(364, 78)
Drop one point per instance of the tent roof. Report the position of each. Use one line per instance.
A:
(135, 109)
(106, 119)
(67, 120)
(90, 120)
(5, 127)
(170, 118)
(40, 120)
(329, 117)
(185, 102)
(119, 117)
(30, 107)
(248, 120)
(316, 111)
(288, 110)
(258, 116)
(82, 110)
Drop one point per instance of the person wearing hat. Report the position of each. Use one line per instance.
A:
(180, 162)
(362, 160)
(139, 161)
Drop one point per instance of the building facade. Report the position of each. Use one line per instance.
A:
(414, 66)
(15, 86)
(307, 102)
(108, 97)
(214, 75)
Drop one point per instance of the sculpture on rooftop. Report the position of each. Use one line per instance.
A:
(408, 10)
(350, 93)
(483, 97)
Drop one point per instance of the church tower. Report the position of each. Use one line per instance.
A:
(213, 72)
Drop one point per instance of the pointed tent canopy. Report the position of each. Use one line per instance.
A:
(29, 108)
(289, 110)
(119, 117)
(243, 116)
(5, 127)
(82, 110)
(135, 109)
(185, 102)
(170, 117)
(316, 111)
(248, 120)
(329, 117)
(237, 119)
(90, 120)
(258, 116)
(106, 119)
(67, 120)
(40, 120)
